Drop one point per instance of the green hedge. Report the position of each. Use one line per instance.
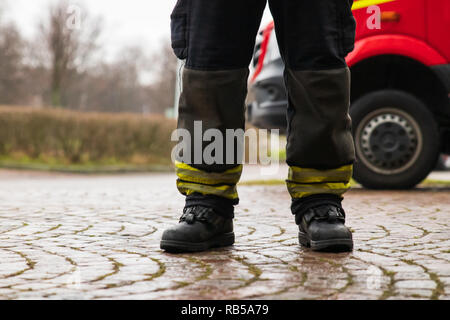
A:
(73, 137)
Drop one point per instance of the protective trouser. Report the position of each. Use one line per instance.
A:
(216, 39)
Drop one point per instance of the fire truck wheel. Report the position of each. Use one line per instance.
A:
(396, 138)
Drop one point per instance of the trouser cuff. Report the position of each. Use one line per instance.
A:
(222, 206)
(306, 182)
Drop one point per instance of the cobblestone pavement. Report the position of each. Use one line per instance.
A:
(76, 237)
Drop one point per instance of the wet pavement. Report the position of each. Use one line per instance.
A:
(87, 237)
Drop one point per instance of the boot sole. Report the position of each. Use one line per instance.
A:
(172, 246)
(330, 245)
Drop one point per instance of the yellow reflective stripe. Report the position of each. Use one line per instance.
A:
(303, 190)
(190, 174)
(367, 3)
(307, 175)
(316, 179)
(186, 176)
(208, 177)
(185, 166)
(187, 188)
(340, 169)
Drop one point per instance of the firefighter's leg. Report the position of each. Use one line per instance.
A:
(216, 38)
(314, 38)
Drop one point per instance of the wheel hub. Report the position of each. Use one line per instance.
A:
(389, 141)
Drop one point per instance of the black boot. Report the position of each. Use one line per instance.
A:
(200, 229)
(322, 226)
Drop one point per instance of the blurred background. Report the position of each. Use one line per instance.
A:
(69, 68)
(86, 85)
(88, 56)
(91, 86)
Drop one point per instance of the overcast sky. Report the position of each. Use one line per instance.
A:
(125, 22)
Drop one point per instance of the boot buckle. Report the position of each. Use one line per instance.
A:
(190, 218)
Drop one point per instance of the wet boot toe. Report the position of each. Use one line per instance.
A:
(200, 229)
(322, 228)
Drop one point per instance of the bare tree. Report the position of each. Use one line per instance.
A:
(57, 68)
(115, 86)
(11, 63)
(70, 36)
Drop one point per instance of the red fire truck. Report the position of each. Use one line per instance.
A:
(400, 89)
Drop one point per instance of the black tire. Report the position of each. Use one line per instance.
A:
(397, 140)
